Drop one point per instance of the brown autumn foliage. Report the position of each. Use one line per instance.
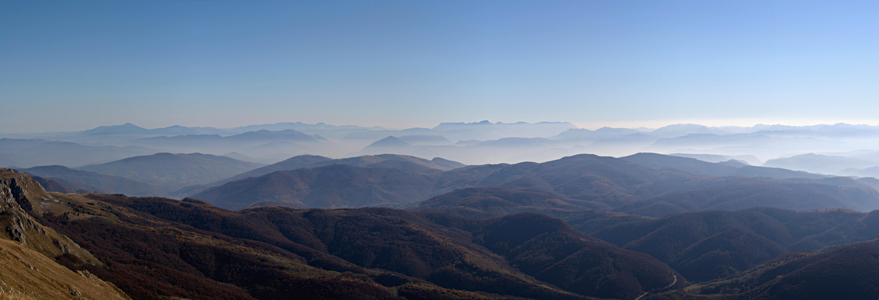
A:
(156, 247)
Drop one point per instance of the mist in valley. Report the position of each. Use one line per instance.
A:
(443, 150)
(836, 149)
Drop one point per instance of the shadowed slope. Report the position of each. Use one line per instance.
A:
(440, 249)
(847, 272)
(551, 250)
(495, 202)
(715, 244)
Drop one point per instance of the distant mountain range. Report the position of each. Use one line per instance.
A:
(713, 158)
(714, 169)
(644, 184)
(252, 136)
(91, 182)
(28, 153)
(174, 171)
(867, 172)
(470, 143)
(333, 186)
(823, 164)
(380, 161)
(152, 175)
(386, 145)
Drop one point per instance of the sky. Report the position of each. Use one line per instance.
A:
(75, 65)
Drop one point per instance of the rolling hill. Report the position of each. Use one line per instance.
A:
(847, 272)
(715, 244)
(590, 178)
(865, 172)
(333, 186)
(735, 193)
(586, 181)
(389, 144)
(271, 252)
(25, 153)
(383, 160)
(696, 166)
(824, 164)
(495, 202)
(160, 248)
(174, 171)
(89, 182)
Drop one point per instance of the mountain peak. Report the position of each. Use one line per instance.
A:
(127, 128)
(389, 141)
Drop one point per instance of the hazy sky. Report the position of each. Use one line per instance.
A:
(70, 65)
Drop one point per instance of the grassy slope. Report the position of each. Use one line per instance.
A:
(27, 274)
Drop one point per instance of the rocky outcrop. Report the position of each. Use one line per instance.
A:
(22, 200)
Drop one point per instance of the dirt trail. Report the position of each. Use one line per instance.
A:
(668, 286)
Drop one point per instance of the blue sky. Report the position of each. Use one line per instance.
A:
(79, 64)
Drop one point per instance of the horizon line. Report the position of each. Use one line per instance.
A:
(588, 125)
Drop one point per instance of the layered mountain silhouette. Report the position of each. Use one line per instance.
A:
(251, 136)
(601, 133)
(696, 166)
(381, 161)
(24, 153)
(389, 144)
(426, 139)
(714, 158)
(611, 185)
(91, 182)
(584, 181)
(824, 164)
(333, 186)
(174, 171)
(866, 172)
(129, 129)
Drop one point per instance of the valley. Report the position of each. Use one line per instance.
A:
(646, 226)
